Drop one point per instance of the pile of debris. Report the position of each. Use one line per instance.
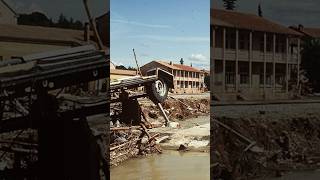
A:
(18, 149)
(179, 109)
(252, 147)
(131, 141)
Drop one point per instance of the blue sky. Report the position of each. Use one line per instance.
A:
(166, 30)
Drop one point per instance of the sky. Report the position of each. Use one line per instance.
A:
(160, 30)
(286, 12)
(53, 8)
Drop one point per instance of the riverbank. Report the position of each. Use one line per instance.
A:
(188, 130)
(265, 140)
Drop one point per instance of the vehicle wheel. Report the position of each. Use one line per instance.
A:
(158, 91)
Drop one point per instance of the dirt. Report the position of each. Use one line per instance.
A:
(287, 138)
(178, 109)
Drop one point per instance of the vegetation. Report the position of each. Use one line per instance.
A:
(40, 19)
(310, 62)
(124, 68)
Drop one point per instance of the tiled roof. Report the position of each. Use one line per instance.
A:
(248, 21)
(313, 32)
(179, 66)
(41, 34)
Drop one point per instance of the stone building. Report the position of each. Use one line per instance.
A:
(187, 79)
(252, 58)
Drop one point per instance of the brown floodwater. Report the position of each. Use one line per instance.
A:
(169, 165)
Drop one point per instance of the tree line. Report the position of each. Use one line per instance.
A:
(40, 19)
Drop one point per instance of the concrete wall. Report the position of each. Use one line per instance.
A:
(9, 49)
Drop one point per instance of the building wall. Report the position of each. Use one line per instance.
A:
(10, 49)
(6, 15)
(182, 84)
(256, 72)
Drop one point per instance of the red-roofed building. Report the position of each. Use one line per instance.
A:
(187, 79)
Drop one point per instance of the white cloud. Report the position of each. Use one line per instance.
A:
(198, 57)
(117, 63)
(135, 23)
(190, 39)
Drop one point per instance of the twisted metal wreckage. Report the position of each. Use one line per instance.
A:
(27, 104)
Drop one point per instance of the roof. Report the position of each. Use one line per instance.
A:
(9, 7)
(248, 21)
(123, 72)
(178, 66)
(38, 34)
(313, 32)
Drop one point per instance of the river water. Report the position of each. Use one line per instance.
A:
(169, 165)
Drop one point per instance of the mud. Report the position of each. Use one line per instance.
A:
(286, 137)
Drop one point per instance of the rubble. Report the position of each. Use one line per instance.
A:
(279, 144)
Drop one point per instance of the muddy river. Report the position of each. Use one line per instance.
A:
(169, 165)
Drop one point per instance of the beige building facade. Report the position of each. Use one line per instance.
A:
(252, 58)
(187, 79)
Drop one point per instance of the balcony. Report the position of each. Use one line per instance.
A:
(257, 56)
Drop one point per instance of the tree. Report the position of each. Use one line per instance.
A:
(34, 19)
(310, 62)
(40, 19)
(229, 4)
(260, 10)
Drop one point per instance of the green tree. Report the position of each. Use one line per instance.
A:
(310, 62)
(34, 19)
(229, 4)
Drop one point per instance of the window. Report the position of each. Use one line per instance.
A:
(186, 84)
(231, 40)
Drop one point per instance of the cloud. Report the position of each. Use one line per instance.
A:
(198, 57)
(135, 23)
(117, 63)
(173, 38)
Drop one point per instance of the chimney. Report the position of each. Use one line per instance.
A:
(181, 61)
(86, 32)
(300, 27)
(170, 63)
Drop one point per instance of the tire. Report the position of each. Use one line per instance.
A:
(158, 91)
